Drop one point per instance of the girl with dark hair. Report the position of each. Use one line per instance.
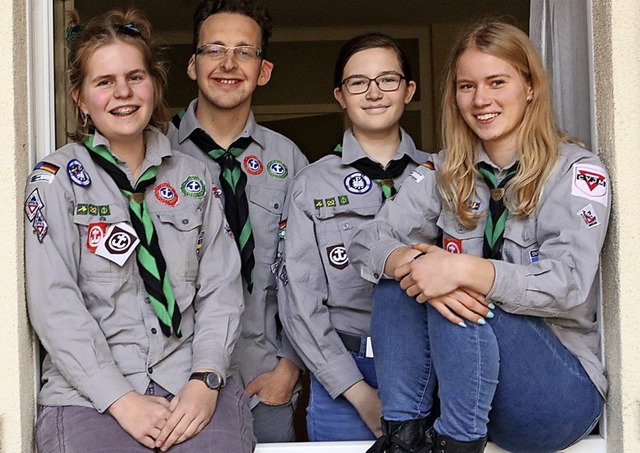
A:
(118, 228)
(327, 306)
(504, 314)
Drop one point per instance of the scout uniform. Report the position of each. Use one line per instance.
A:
(86, 299)
(327, 304)
(550, 258)
(270, 163)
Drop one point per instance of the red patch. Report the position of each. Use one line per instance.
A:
(253, 165)
(429, 165)
(452, 245)
(95, 234)
(166, 194)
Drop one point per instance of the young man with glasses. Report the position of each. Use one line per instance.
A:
(252, 168)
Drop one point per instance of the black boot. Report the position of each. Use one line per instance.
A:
(437, 443)
(401, 437)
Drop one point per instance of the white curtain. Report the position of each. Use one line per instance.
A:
(561, 29)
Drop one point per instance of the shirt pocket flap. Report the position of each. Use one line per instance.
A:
(185, 219)
(270, 199)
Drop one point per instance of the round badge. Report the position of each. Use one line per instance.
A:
(253, 165)
(166, 194)
(193, 187)
(358, 183)
(338, 256)
(277, 169)
(78, 174)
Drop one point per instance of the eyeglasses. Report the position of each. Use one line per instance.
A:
(359, 84)
(218, 52)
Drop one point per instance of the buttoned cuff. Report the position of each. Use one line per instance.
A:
(339, 375)
(379, 252)
(213, 359)
(105, 387)
(287, 351)
(508, 286)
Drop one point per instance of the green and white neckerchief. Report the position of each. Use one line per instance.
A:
(151, 263)
(498, 212)
(382, 176)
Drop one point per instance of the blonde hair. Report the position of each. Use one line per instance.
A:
(130, 27)
(538, 136)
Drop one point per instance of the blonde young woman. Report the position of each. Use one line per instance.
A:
(503, 314)
(117, 230)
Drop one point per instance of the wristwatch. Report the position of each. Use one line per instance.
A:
(213, 381)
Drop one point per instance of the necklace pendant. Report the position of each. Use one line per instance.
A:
(497, 194)
(138, 197)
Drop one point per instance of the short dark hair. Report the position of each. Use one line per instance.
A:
(364, 42)
(253, 9)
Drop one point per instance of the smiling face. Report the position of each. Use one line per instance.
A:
(117, 93)
(228, 83)
(492, 96)
(374, 112)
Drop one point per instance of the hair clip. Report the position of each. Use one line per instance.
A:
(72, 33)
(128, 29)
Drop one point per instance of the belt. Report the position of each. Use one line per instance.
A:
(355, 343)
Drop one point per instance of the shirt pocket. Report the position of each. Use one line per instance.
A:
(265, 209)
(458, 239)
(180, 240)
(520, 241)
(91, 229)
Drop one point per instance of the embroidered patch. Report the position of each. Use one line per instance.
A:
(253, 165)
(199, 244)
(588, 214)
(343, 200)
(474, 205)
(193, 187)
(357, 183)
(452, 245)
(338, 256)
(95, 233)
(166, 194)
(428, 164)
(277, 169)
(282, 229)
(118, 244)
(78, 174)
(33, 204)
(417, 177)
(318, 203)
(217, 196)
(228, 231)
(40, 226)
(104, 210)
(590, 182)
(42, 177)
(330, 202)
(533, 256)
(46, 166)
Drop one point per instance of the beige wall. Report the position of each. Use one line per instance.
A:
(617, 44)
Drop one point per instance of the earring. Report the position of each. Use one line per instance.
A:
(85, 118)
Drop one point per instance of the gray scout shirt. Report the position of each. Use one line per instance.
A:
(270, 164)
(551, 258)
(324, 293)
(92, 315)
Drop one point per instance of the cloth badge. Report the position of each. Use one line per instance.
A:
(282, 229)
(590, 182)
(46, 166)
(358, 183)
(277, 169)
(330, 202)
(82, 209)
(588, 215)
(227, 230)
(474, 205)
(199, 244)
(93, 209)
(104, 210)
(338, 256)
(534, 256)
(118, 244)
(95, 234)
(42, 177)
(428, 164)
(253, 165)
(193, 187)
(78, 174)
(33, 205)
(318, 203)
(452, 245)
(166, 194)
(40, 226)
(343, 200)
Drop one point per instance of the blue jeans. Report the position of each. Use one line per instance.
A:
(511, 378)
(336, 420)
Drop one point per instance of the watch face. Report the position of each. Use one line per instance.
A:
(213, 381)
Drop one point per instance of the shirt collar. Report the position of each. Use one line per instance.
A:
(352, 151)
(158, 145)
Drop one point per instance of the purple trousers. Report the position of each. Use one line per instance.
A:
(77, 429)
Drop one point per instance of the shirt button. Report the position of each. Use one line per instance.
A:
(376, 276)
(147, 300)
(154, 330)
(346, 226)
(150, 370)
(103, 219)
(185, 221)
(276, 206)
